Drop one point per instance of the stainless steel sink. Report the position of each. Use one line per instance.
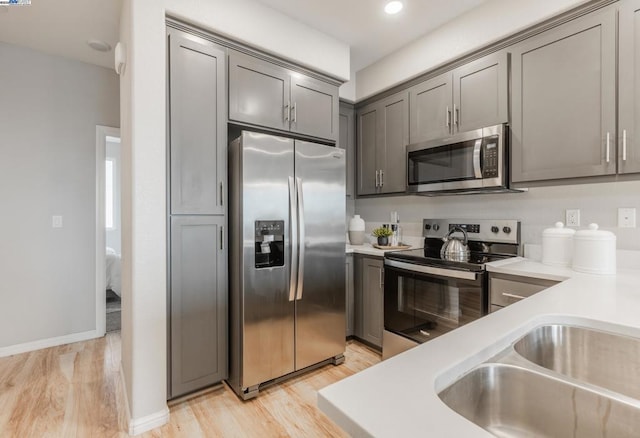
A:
(599, 358)
(510, 401)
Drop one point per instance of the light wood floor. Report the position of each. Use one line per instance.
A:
(74, 391)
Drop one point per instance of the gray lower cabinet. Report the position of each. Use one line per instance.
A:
(265, 94)
(369, 300)
(505, 289)
(197, 260)
(198, 303)
(629, 87)
(469, 97)
(197, 121)
(350, 293)
(347, 141)
(564, 101)
(383, 133)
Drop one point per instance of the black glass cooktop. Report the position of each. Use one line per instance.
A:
(431, 257)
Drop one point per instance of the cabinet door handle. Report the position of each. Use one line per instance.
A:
(608, 146)
(448, 118)
(221, 193)
(456, 115)
(286, 112)
(381, 278)
(222, 238)
(624, 145)
(294, 107)
(377, 178)
(381, 177)
(517, 297)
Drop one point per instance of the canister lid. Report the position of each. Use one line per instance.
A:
(593, 233)
(558, 231)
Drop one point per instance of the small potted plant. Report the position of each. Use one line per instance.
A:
(382, 233)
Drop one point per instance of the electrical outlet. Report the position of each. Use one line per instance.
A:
(626, 217)
(573, 218)
(56, 221)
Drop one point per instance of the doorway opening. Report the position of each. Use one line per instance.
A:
(108, 230)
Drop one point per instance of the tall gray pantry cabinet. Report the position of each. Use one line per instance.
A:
(197, 166)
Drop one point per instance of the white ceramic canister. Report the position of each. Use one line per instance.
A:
(594, 251)
(557, 245)
(356, 230)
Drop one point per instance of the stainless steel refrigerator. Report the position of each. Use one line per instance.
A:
(287, 258)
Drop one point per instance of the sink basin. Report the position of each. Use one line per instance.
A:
(604, 359)
(510, 401)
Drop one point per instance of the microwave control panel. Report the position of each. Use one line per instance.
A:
(490, 157)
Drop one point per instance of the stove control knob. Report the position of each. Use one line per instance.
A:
(427, 227)
(507, 230)
(495, 229)
(436, 227)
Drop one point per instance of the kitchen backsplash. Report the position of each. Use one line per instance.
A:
(537, 209)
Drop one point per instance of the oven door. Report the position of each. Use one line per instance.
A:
(423, 302)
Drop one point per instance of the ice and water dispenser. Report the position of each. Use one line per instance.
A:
(269, 240)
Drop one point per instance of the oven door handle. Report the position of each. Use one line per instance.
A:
(451, 273)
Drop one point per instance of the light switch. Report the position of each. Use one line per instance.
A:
(56, 222)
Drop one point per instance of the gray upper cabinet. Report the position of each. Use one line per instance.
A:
(347, 141)
(472, 96)
(367, 172)
(383, 133)
(564, 101)
(629, 87)
(259, 92)
(314, 107)
(430, 108)
(197, 119)
(265, 94)
(480, 93)
(198, 302)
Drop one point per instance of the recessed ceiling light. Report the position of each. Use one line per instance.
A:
(99, 45)
(393, 7)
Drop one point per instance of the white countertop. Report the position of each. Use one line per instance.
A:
(368, 249)
(398, 397)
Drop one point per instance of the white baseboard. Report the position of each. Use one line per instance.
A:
(46, 343)
(146, 423)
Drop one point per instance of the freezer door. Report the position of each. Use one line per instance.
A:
(320, 295)
(267, 311)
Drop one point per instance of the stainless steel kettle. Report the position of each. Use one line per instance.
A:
(454, 248)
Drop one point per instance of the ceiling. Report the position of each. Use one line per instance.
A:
(63, 27)
(366, 28)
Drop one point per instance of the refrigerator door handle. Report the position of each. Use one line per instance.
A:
(301, 238)
(293, 229)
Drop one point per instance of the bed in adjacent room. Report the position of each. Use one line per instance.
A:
(113, 260)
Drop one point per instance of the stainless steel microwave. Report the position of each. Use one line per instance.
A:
(469, 162)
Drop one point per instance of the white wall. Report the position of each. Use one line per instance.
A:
(537, 209)
(49, 109)
(142, 28)
(481, 26)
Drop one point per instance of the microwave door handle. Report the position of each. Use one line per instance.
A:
(477, 168)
